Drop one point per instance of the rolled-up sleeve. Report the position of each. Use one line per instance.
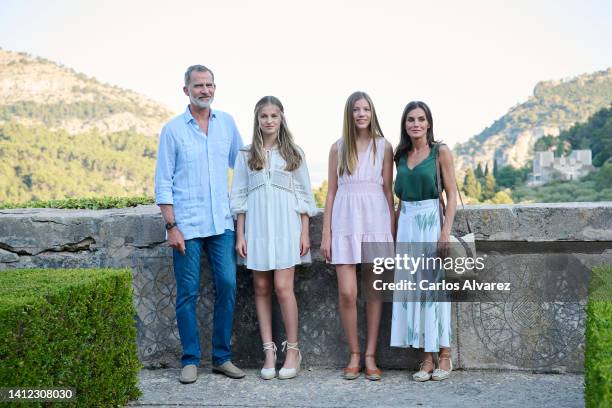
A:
(303, 193)
(164, 170)
(240, 186)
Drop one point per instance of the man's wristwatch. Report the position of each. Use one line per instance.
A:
(170, 225)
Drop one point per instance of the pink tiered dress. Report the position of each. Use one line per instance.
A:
(361, 212)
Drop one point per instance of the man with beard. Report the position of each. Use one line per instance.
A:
(191, 189)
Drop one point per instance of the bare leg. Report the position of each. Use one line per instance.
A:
(374, 310)
(283, 285)
(444, 364)
(347, 302)
(373, 313)
(428, 364)
(262, 282)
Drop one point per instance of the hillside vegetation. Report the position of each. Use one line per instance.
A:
(594, 134)
(64, 134)
(555, 106)
(39, 164)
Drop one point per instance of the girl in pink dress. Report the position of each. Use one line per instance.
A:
(358, 209)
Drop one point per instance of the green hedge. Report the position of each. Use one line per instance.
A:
(598, 353)
(70, 328)
(95, 203)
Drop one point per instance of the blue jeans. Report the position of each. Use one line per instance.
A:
(222, 260)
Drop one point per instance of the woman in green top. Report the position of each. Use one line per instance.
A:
(423, 323)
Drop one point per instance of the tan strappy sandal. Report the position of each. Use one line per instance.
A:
(350, 373)
(375, 374)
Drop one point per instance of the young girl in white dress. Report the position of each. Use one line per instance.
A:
(272, 200)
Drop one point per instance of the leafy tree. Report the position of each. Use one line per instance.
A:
(54, 114)
(601, 178)
(510, 177)
(595, 134)
(544, 143)
(501, 197)
(582, 190)
(39, 164)
(320, 194)
(471, 186)
(489, 187)
(479, 173)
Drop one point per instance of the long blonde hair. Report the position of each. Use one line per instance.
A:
(286, 146)
(348, 153)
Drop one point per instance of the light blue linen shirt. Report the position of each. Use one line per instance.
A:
(191, 172)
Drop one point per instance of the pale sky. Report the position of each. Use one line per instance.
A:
(471, 61)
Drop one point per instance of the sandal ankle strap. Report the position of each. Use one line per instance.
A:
(425, 362)
(444, 358)
(289, 346)
(270, 346)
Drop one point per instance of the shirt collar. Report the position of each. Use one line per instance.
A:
(188, 117)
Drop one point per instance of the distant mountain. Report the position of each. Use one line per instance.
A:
(554, 107)
(36, 91)
(64, 134)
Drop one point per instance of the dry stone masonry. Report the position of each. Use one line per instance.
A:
(523, 243)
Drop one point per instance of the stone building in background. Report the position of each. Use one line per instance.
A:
(547, 167)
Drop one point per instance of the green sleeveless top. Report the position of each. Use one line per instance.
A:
(419, 183)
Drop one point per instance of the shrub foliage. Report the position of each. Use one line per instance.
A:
(101, 203)
(69, 328)
(598, 353)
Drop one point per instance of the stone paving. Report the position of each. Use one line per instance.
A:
(319, 387)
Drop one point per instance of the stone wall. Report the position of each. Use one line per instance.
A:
(519, 332)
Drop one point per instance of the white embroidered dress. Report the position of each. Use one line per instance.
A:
(273, 200)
